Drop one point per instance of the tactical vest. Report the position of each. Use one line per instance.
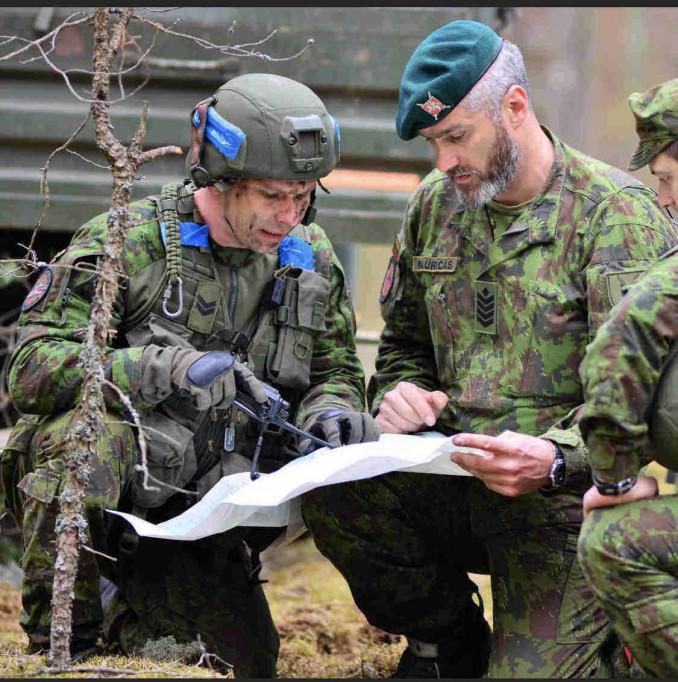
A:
(181, 301)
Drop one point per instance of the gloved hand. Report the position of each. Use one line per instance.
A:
(211, 379)
(340, 427)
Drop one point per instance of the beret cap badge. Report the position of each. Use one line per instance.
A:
(433, 106)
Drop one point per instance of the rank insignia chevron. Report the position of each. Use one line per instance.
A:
(486, 307)
(204, 308)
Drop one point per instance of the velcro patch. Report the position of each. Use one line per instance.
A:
(434, 264)
(618, 283)
(40, 289)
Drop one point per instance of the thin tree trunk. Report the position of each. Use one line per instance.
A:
(89, 416)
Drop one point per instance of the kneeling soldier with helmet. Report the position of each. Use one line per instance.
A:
(628, 545)
(227, 285)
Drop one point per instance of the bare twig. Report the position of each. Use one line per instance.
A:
(114, 672)
(69, 21)
(87, 548)
(44, 185)
(89, 161)
(231, 50)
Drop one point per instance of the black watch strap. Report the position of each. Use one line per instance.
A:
(618, 488)
(557, 472)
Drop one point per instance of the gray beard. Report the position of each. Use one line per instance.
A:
(501, 171)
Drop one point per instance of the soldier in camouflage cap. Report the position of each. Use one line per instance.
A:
(227, 284)
(628, 546)
(511, 254)
(656, 114)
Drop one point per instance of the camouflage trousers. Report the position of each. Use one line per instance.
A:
(629, 554)
(185, 589)
(405, 542)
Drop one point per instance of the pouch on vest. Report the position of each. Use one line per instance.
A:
(160, 331)
(299, 318)
(11, 469)
(171, 459)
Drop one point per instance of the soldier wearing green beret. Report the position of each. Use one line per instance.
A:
(228, 284)
(628, 545)
(512, 252)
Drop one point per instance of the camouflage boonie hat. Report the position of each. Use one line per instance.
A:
(656, 113)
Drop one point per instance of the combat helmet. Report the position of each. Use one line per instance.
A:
(261, 126)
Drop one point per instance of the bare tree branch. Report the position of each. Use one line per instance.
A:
(231, 50)
(51, 36)
(44, 185)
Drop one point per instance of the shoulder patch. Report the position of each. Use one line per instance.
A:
(392, 271)
(40, 289)
(618, 283)
(389, 278)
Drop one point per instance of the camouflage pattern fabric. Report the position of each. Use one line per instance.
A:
(507, 321)
(629, 554)
(621, 369)
(656, 114)
(204, 587)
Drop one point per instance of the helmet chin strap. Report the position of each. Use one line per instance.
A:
(311, 211)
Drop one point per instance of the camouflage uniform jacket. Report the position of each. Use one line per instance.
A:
(622, 368)
(308, 353)
(501, 325)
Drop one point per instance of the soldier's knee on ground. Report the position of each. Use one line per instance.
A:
(110, 468)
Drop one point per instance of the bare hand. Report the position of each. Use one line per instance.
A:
(408, 408)
(514, 463)
(645, 487)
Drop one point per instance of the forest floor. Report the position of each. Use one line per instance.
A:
(322, 632)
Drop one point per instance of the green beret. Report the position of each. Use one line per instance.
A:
(441, 71)
(656, 113)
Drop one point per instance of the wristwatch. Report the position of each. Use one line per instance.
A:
(618, 488)
(557, 472)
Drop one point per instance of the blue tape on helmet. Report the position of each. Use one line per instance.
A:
(337, 135)
(296, 252)
(225, 136)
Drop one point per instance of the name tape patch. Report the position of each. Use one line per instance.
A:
(434, 264)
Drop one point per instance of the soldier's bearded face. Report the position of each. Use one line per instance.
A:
(258, 214)
(498, 174)
(477, 154)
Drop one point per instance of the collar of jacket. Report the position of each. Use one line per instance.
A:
(537, 224)
(196, 235)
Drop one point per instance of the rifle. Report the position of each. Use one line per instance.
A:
(275, 411)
